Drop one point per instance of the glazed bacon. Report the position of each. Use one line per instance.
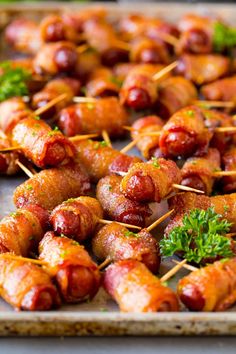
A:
(26, 286)
(100, 160)
(117, 206)
(203, 69)
(77, 218)
(21, 231)
(55, 58)
(221, 90)
(51, 187)
(139, 90)
(12, 111)
(53, 89)
(197, 172)
(23, 35)
(150, 295)
(42, 145)
(102, 83)
(101, 36)
(121, 70)
(53, 28)
(88, 61)
(76, 275)
(229, 164)
(147, 145)
(151, 181)
(8, 164)
(184, 134)
(224, 205)
(116, 243)
(212, 288)
(93, 117)
(174, 93)
(148, 51)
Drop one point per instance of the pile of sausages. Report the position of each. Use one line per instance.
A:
(51, 245)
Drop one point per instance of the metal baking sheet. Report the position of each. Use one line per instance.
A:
(101, 316)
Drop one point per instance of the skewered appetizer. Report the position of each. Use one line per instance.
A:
(211, 288)
(76, 275)
(93, 117)
(115, 242)
(21, 231)
(151, 181)
(51, 187)
(25, 286)
(101, 160)
(117, 206)
(77, 218)
(8, 164)
(150, 294)
(102, 83)
(229, 163)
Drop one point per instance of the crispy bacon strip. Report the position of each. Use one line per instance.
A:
(21, 231)
(51, 187)
(77, 218)
(76, 275)
(212, 288)
(198, 172)
(116, 242)
(93, 117)
(150, 182)
(136, 289)
(117, 206)
(25, 286)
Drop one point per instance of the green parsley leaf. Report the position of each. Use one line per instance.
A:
(13, 81)
(29, 187)
(224, 37)
(155, 162)
(100, 144)
(201, 236)
(130, 234)
(115, 80)
(190, 113)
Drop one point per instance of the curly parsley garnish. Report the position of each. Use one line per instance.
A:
(201, 236)
(224, 37)
(13, 81)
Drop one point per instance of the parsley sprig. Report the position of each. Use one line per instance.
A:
(201, 236)
(224, 37)
(12, 81)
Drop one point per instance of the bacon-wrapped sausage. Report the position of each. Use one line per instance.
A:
(148, 51)
(212, 288)
(121, 70)
(117, 206)
(100, 160)
(26, 286)
(76, 275)
(23, 35)
(213, 119)
(78, 19)
(21, 231)
(77, 218)
(221, 90)
(148, 145)
(102, 83)
(12, 111)
(49, 188)
(132, 25)
(88, 61)
(151, 181)
(174, 93)
(116, 242)
(136, 289)
(53, 28)
(88, 118)
(8, 164)
(53, 89)
(229, 164)
(42, 145)
(224, 205)
(196, 67)
(198, 172)
(139, 90)
(54, 58)
(101, 36)
(185, 134)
